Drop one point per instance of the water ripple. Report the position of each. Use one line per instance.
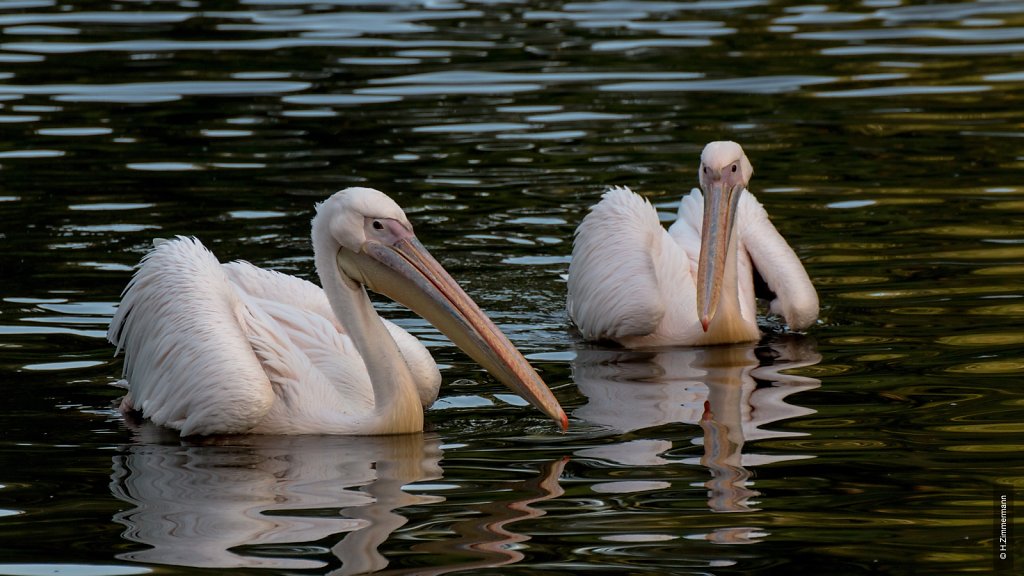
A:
(947, 12)
(85, 131)
(819, 15)
(883, 91)
(153, 91)
(950, 50)
(339, 99)
(265, 44)
(617, 7)
(634, 45)
(483, 77)
(94, 17)
(756, 85)
(41, 31)
(444, 89)
(348, 23)
(984, 34)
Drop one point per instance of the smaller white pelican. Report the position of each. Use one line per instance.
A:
(216, 348)
(633, 283)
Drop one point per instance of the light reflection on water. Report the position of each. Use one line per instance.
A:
(883, 137)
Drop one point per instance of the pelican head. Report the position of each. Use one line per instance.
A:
(724, 174)
(377, 249)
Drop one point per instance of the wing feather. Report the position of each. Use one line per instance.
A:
(316, 373)
(309, 299)
(613, 284)
(188, 361)
(274, 286)
(778, 265)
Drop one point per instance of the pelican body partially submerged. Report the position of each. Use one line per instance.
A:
(634, 283)
(215, 348)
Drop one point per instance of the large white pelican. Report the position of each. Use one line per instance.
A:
(633, 283)
(215, 348)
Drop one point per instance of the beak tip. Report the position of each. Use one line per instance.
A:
(705, 322)
(563, 421)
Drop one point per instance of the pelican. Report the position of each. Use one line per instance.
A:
(215, 348)
(633, 283)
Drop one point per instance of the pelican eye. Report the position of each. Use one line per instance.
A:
(734, 168)
(377, 225)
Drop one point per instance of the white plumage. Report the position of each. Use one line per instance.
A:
(633, 282)
(215, 348)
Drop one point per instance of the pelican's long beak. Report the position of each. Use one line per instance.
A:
(721, 199)
(405, 272)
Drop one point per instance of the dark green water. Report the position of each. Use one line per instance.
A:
(888, 145)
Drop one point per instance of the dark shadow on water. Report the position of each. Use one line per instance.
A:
(732, 392)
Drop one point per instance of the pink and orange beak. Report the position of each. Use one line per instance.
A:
(405, 271)
(722, 188)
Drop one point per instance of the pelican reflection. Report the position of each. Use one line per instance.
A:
(272, 502)
(487, 540)
(269, 501)
(732, 392)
